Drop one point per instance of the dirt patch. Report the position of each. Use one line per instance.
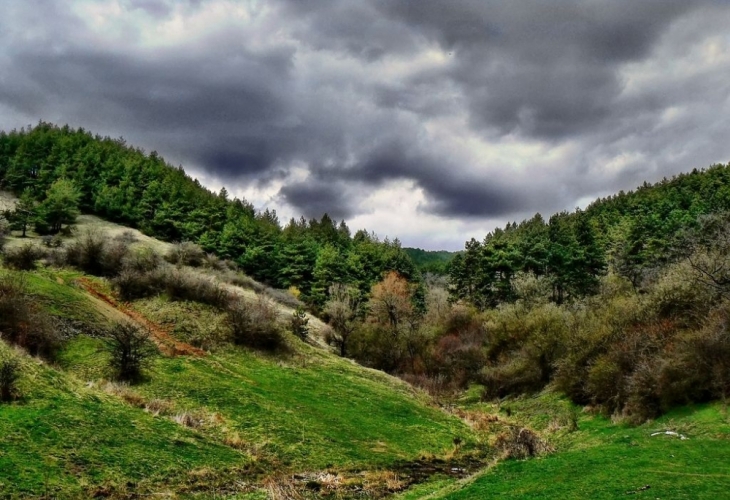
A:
(373, 484)
(164, 341)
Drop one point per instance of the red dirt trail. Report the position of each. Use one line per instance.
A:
(165, 342)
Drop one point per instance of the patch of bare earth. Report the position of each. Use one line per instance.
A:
(164, 341)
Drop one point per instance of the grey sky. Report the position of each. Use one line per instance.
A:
(429, 120)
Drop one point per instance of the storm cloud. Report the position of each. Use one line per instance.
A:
(429, 120)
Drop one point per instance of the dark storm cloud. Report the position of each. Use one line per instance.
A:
(544, 69)
(362, 94)
(317, 198)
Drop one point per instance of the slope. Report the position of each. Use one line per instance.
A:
(684, 454)
(222, 422)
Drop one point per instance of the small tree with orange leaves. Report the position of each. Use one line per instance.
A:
(390, 303)
(394, 324)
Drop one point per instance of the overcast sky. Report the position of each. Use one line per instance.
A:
(433, 121)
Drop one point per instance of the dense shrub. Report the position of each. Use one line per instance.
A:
(521, 442)
(131, 285)
(213, 262)
(248, 283)
(24, 257)
(254, 323)
(178, 284)
(22, 323)
(141, 260)
(185, 285)
(93, 253)
(186, 253)
(3, 240)
(130, 350)
(517, 375)
(87, 252)
(9, 376)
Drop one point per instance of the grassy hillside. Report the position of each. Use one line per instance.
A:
(112, 180)
(605, 460)
(197, 422)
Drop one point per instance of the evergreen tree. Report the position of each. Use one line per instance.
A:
(23, 214)
(60, 207)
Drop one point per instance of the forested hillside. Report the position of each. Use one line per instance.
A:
(126, 185)
(431, 261)
(622, 306)
(634, 232)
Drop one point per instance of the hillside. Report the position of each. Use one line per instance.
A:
(223, 419)
(430, 261)
(132, 364)
(119, 183)
(683, 455)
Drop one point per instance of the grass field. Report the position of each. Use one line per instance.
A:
(603, 460)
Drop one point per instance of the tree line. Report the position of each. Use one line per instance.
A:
(59, 172)
(633, 232)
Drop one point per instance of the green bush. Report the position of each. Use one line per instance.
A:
(130, 350)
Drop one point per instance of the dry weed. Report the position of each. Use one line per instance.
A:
(521, 442)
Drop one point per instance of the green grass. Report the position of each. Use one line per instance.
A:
(306, 410)
(606, 460)
(66, 439)
(303, 411)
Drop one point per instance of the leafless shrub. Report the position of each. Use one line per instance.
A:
(186, 253)
(9, 376)
(246, 282)
(141, 260)
(254, 323)
(24, 257)
(52, 241)
(184, 285)
(131, 285)
(519, 374)
(521, 442)
(87, 252)
(22, 323)
(127, 237)
(213, 262)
